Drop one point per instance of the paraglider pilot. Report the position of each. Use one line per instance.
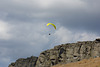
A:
(49, 34)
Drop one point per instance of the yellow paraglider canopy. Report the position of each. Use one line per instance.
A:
(51, 24)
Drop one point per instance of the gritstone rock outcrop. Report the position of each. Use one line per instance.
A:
(28, 62)
(65, 53)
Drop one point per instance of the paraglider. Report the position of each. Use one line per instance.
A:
(52, 25)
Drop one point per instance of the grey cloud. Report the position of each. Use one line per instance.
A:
(82, 21)
(78, 15)
(27, 39)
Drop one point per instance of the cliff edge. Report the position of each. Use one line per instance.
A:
(63, 54)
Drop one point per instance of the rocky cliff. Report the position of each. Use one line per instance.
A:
(65, 53)
(22, 62)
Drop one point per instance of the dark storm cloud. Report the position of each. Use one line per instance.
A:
(18, 10)
(72, 14)
(82, 21)
(86, 18)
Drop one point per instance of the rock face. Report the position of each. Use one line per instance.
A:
(28, 62)
(65, 53)
(70, 52)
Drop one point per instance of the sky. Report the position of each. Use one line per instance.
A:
(23, 30)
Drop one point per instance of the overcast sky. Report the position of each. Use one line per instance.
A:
(23, 30)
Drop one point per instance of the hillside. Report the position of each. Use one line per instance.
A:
(92, 62)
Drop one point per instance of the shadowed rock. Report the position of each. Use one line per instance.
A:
(98, 39)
